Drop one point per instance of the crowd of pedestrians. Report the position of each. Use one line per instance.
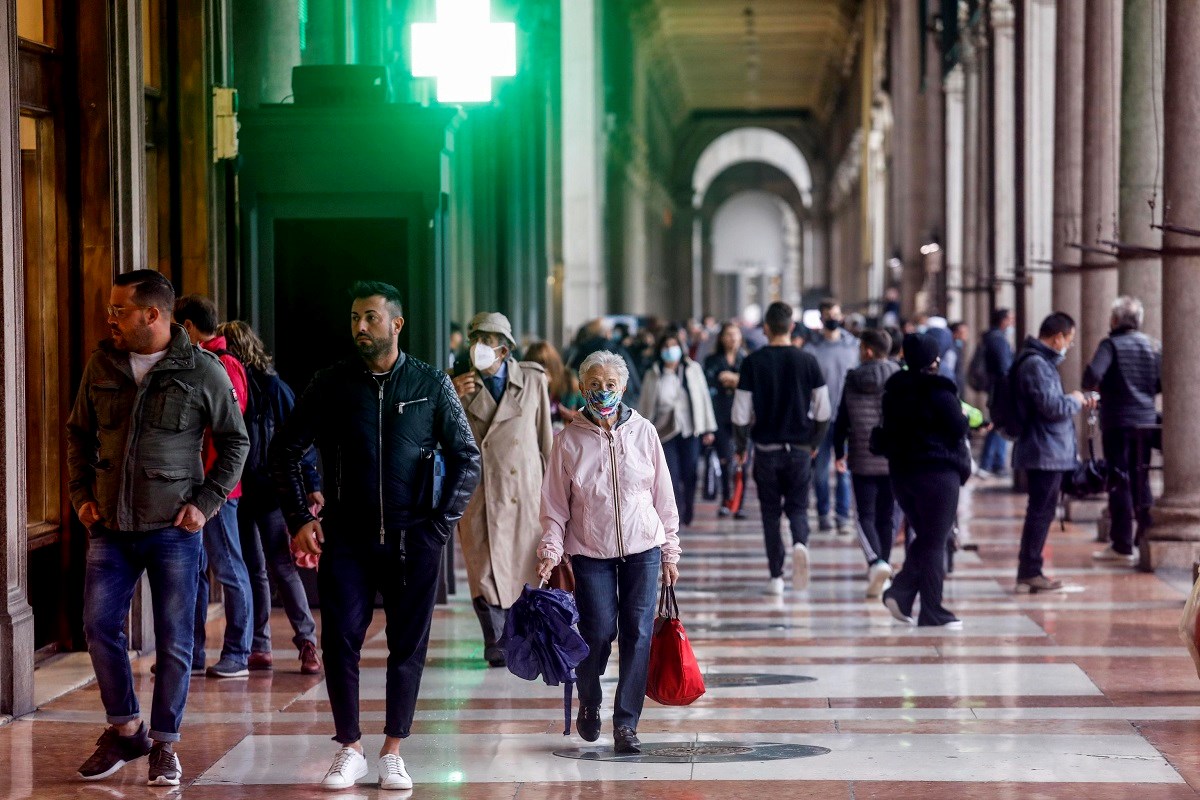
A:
(190, 456)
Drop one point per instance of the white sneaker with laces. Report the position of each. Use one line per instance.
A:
(348, 766)
(775, 586)
(799, 567)
(1110, 556)
(392, 774)
(877, 577)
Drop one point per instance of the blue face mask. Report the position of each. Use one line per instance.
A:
(672, 354)
(603, 401)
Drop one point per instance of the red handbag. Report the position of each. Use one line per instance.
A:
(674, 677)
(734, 503)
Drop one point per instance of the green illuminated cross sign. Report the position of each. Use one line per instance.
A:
(464, 50)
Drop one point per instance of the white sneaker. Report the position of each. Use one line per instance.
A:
(348, 766)
(775, 586)
(894, 607)
(799, 567)
(1110, 556)
(877, 577)
(392, 774)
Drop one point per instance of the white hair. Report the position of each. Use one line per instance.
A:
(1128, 312)
(605, 359)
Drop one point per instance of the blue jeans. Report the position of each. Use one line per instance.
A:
(821, 468)
(266, 545)
(115, 563)
(616, 599)
(995, 453)
(223, 548)
(683, 455)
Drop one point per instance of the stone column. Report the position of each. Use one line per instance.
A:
(984, 263)
(582, 167)
(1101, 131)
(1141, 152)
(1004, 147)
(127, 134)
(1174, 538)
(1038, 42)
(1068, 168)
(955, 150)
(16, 617)
(969, 271)
(266, 45)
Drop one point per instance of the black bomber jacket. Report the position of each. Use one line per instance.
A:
(377, 437)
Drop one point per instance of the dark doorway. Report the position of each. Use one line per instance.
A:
(316, 261)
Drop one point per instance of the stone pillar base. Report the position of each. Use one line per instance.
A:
(1173, 540)
(1160, 554)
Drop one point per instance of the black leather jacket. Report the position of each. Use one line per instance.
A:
(377, 437)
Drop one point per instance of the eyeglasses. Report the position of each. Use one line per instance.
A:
(121, 311)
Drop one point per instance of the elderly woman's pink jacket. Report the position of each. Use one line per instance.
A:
(608, 494)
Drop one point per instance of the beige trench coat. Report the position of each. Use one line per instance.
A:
(501, 527)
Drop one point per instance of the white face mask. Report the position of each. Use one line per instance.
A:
(483, 356)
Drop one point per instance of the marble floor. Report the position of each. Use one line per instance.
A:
(1088, 693)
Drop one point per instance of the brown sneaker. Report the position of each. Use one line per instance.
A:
(310, 662)
(259, 661)
(1039, 583)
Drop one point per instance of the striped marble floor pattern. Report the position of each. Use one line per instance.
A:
(1086, 693)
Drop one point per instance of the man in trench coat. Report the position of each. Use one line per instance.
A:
(508, 408)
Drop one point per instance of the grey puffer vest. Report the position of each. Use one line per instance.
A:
(863, 402)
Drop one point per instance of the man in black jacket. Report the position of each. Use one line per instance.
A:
(1127, 371)
(377, 420)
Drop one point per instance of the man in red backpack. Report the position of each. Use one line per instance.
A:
(222, 543)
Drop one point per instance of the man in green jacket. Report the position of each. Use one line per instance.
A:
(138, 484)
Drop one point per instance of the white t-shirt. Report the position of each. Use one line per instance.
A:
(141, 364)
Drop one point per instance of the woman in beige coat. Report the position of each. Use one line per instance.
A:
(508, 407)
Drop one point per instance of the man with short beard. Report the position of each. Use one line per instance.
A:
(139, 486)
(377, 419)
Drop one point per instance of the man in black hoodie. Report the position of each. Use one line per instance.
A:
(860, 411)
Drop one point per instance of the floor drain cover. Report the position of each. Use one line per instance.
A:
(698, 752)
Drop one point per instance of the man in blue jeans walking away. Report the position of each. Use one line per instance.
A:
(138, 485)
(998, 358)
(222, 542)
(836, 350)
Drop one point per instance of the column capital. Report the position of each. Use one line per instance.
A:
(955, 82)
(1003, 14)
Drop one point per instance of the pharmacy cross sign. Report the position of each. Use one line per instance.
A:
(464, 50)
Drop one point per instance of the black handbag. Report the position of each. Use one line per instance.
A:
(1091, 476)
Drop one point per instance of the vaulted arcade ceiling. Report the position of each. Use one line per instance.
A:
(750, 55)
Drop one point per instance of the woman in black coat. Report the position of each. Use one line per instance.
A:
(722, 369)
(924, 438)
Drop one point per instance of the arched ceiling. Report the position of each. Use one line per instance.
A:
(752, 145)
(752, 55)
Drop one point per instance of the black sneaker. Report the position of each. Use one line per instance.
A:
(165, 769)
(114, 751)
(587, 724)
(625, 741)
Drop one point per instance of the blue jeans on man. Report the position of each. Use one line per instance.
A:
(616, 599)
(994, 458)
(223, 551)
(115, 563)
(821, 469)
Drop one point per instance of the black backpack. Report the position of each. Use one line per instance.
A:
(268, 395)
(1005, 406)
(977, 372)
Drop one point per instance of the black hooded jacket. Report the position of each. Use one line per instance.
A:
(377, 437)
(923, 425)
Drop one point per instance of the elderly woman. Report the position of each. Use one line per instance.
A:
(608, 502)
